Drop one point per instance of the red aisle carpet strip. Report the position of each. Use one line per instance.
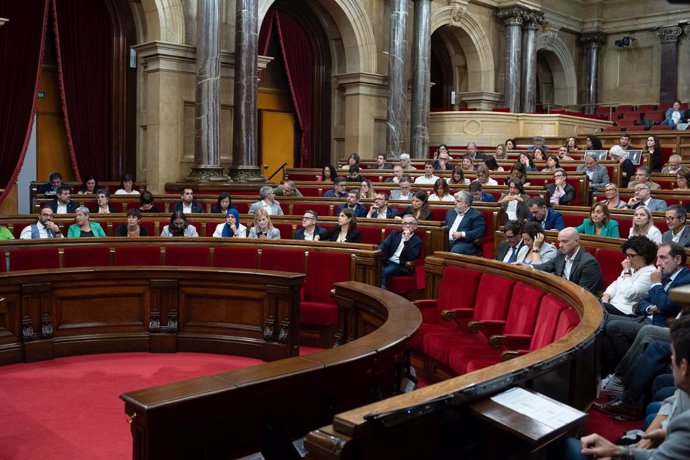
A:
(69, 408)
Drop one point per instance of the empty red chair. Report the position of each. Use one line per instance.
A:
(137, 255)
(34, 259)
(323, 270)
(647, 108)
(286, 260)
(187, 256)
(624, 108)
(566, 323)
(234, 257)
(86, 256)
(371, 235)
(285, 230)
(610, 263)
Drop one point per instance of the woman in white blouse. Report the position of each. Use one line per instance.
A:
(441, 192)
(634, 281)
(643, 225)
(232, 228)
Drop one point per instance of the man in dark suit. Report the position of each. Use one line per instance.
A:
(546, 216)
(380, 209)
(187, 204)
(671, 272)
(466, 226)
(353, 203)
(50, 187)
(399, 248)
(677, 229)
(478, 193)
(509, 248)
(574, 263)
(560, 192)
(62, 204)
(309, 230)
(598, 174)
(472, 152)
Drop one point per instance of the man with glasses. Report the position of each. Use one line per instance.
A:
(598, 174)
(404, 192)
(466, 226)
(338, 190)
(677, 230)
(400, 249)
(443, 160)
(309, 228)
(560, 192)
(44, 228)
(509, 248)
(380, 209)
(353, 203)
(643, 197)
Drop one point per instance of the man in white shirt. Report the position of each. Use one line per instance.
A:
(44, 228)
(399, 249)
(428, 178)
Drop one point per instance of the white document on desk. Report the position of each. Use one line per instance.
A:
(537, 407)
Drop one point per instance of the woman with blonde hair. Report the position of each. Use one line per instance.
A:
(643, 225)
(613, 199)
(366, 189)
(263, 227)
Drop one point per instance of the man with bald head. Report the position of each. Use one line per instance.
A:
(574, 263)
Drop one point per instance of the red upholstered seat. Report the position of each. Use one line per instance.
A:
(241, 206)
(86, 256)
(36, 258)
(137, 255)
(493, 298)
(610, 263)
(299, 209)
(404, 284)
(285, 230)
(236, 257)
(17, 227)
(286, 260)
(566, 323)
(187, 256)
(371, 235)
(646, 107)
(323, 270)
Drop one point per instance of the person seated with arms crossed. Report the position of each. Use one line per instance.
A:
(514, 201)
(309, 231)
(179, 226)
(535, 250)
(466, 226)
(346, 230)
(509, 248)
(419, 209)
(232, 228)
(380, 209)
(127, 186)
(187, 204)
(338, 191)
(428, 178)
(102, 200)
(399, 250)
(286, 188)
(84, 228)
(43, 228)
(132, 229)
(548, 218)
(574, 263)
(146, 202)
(643, 198)
(267, 202)
(678, 232)
(642, 175)
(404, 192)
(263, 227)
(599, 223)
(353, 204)
(62, 204)
(50, 187)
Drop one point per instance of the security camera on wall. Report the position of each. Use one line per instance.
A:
(625, 42)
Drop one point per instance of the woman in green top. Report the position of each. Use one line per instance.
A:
(599, 222)
(6, 234)
(83, 228)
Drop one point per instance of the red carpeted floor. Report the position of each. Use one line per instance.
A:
(69, 408)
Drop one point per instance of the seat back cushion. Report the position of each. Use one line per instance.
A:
(522, 312)
(86, 256)
(458, 288)
(187, 256)
(137, 255)
(324, 269)
(568, 320)
(610, 263)
(547, 320)
(235, 257)
(493, 297)
(287, 260)
(34, 259)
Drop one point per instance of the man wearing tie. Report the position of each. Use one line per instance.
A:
(466, 226)
(509, 248)
(671, 272)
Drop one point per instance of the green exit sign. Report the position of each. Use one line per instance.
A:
(41, 95)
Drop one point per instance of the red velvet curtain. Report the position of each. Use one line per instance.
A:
(84, 40)
(21, 53)
(266, 32)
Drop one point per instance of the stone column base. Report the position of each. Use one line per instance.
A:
(246, 174)
(207, 174)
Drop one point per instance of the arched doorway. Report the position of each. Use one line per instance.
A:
(441, 75)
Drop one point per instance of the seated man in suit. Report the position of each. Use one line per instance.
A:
(478, 193)
(671, 272)
(397, 174)
(574, 263)
(546, 216)
(62, 204)
(678, 232)
(43, 228)
(50, 187)
(642, 175)
(309, 231)
(267, 202)
(338, 190)
(643, 197)
(560, 192)
(598, 174)
(404, 192)
(353, 203)
(381, 162)
(187, 204)
(508, 248)
(676, 443)
(398, 249)
(472, 152)
(380, 209)
(466, 226)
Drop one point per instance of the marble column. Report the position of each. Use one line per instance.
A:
(593, 42)
(513, 19)
(532, 22)
(397, 83)
(245, 159)
(207, 126)
(421, 80)
(669, 62)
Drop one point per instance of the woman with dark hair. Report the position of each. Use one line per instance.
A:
(599, 222)
(653, 146)
(514, 201)
(518, 172)
(538, 154)
(223, 203)
(510, 144)
(634, 281)
(484, 175)
(457, 177)
(552, 164)
(571, 144)
(526, 159)
(232, 228)
(127, 186)
(89, 185)
(535, 249)
(132, 229)
(420, 208)
(328, 174)
(346, 230)
(102, 206)
(179, 226)
(146, 202)
(441, 192)
(352, 160)
(593, 143)
(491, 163)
